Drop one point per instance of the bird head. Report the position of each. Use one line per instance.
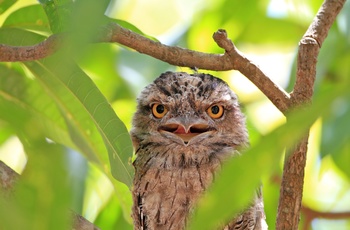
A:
(185, 110)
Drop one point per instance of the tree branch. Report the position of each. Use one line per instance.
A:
(293, 172)
(324, 19)
(8, 179)
(30, 53)
(291, 190)
(309, 47)
(232, 59)
(313, 214)
(239, 62)
(310, 214)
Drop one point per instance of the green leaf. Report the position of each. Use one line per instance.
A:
(30, 17)
(41, 197)
(6, 131)
(132, 27)
(81, 17)
(292, 32)
(21, 97)
(239, 178)
(14, 36)
(103, 70)
(4, 5)
(111, 217)
(58, 13)
(83, 106)
(334, 130)
(335, 135)
(342, 157)
(49, 91)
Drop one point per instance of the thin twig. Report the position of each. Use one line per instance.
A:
(311, 214)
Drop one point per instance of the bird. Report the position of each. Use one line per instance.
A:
(184, 128)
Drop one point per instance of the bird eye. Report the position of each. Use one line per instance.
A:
(215, 111)
(159, 110)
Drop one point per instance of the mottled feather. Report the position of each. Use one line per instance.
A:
(181, 147)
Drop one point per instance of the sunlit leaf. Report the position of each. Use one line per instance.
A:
(342, 157)
(58, 13)
(30, 17)
(104, 72)
(131, 27)
(41, 198)
(83, 105)
(87, 16)
(82, 129)
(111, 217)
(29, 99)
(291, 35)
(6, 131)
(14, 36)
(4, 5)
(335, 130)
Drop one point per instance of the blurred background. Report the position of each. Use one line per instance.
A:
(267, 32)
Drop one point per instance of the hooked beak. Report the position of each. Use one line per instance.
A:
(185, 133)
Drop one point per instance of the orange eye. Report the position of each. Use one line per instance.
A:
(215, 111)
(159, 110)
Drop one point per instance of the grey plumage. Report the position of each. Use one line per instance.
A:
(185, 126)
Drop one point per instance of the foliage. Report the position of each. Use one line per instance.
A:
(68, 102)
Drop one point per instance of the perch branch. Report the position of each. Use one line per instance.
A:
(30, 53)
(8, 179)
(232, 59)
(293, 173)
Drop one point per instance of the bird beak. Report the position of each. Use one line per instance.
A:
(185, 132)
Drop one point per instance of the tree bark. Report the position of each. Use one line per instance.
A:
(291, 189)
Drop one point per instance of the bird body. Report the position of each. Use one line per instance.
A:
(184, 128)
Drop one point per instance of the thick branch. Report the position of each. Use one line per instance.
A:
(309, 47)
(29, 53)
(8, 178)
(293, 173)
(291, 191)
(324, 19)
(231, 60)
